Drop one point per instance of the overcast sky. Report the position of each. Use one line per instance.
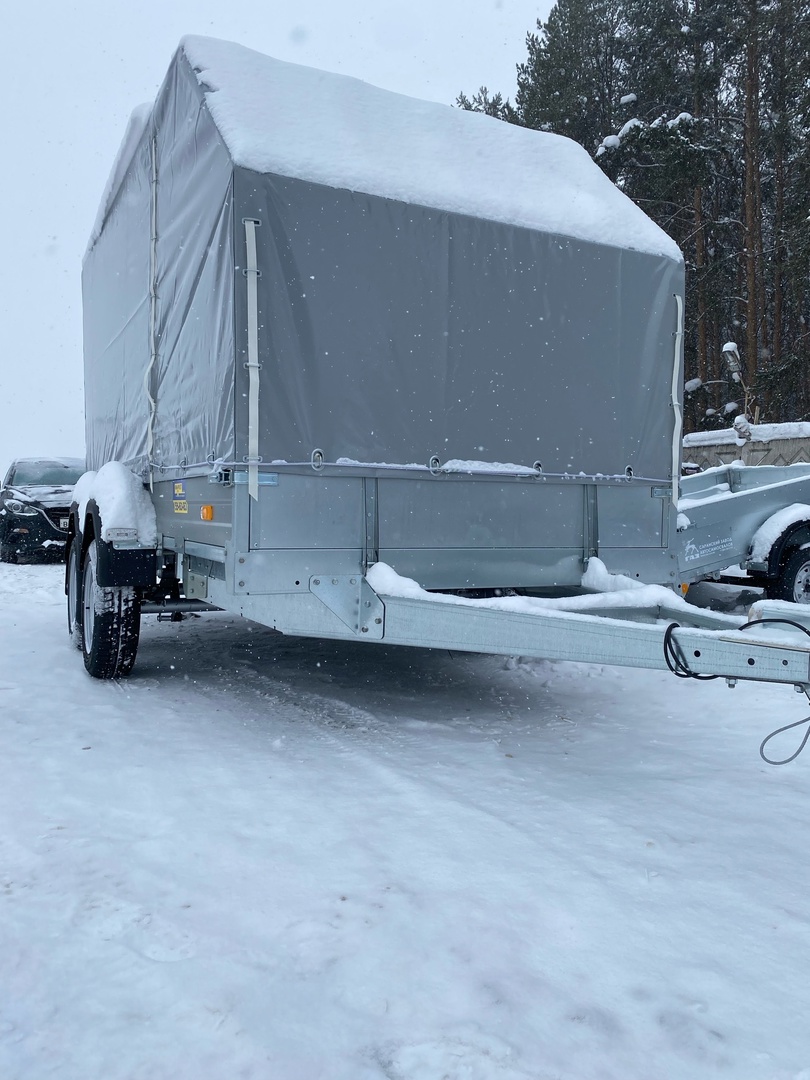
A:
(73, 74)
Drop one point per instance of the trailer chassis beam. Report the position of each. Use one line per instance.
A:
(558, 635)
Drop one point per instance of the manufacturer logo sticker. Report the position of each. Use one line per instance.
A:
(704, 552)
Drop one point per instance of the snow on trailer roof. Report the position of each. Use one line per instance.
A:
(282, 118)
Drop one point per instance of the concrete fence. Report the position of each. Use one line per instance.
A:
(753, 444)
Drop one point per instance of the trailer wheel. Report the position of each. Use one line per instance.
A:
(111, 623)
(74, 592)
(793, 583)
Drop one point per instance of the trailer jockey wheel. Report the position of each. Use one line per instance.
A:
(74, 590)
(111, 623)
(793, 583)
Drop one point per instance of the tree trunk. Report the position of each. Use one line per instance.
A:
(697, 206)
(750, 208)
(700, 287)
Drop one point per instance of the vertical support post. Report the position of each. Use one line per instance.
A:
(252, 274)
(591, 537)
(153, 300)
(372, 522)
(677, 432)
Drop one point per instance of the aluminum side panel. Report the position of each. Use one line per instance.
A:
(178, 504)
(308, 512)
(484, 514)
(631, 517)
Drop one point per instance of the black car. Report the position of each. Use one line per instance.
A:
(34, 505)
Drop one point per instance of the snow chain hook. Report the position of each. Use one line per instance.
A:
(678, 665)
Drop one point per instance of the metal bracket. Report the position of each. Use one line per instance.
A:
(268, 479)
(196, 586)
(372, 530)
(354, 602)
(128, 537)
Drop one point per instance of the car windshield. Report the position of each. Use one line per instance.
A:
(46, 473)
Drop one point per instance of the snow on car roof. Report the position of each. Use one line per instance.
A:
(68, 462)
(282, 118)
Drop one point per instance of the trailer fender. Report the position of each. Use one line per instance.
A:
(779, 536)
(116, 565)
(73, 532)
(780, 555)
(790, 542)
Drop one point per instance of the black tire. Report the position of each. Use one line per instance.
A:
(73, 589)
(111, 624)
(7, 555)
(793, 583)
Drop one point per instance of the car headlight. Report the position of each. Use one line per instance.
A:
(20, 508)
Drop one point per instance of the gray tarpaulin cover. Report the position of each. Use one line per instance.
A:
(433, 282)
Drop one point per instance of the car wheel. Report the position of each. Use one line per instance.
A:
(74, 592)
(7, 555)
(111, 622)
(793, 583)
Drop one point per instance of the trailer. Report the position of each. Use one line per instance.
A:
(359, 366)
(756, 517)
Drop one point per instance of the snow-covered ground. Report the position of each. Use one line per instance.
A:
(263, 857)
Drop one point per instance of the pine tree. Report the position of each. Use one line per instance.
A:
(700, 112)
(570, 81)
(496, 106)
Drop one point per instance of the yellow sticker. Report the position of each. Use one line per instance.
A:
(179, 489)
(180, 506)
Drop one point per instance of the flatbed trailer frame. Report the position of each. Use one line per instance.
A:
(111, 580)
(618, 632)
(756, 517)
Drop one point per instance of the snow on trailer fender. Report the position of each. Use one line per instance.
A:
(349, 333)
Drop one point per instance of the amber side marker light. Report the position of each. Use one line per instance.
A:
(684, 586)
(207, 513)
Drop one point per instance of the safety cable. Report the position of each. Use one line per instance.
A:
(787, 727)
(676, 661)
(678, 665)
